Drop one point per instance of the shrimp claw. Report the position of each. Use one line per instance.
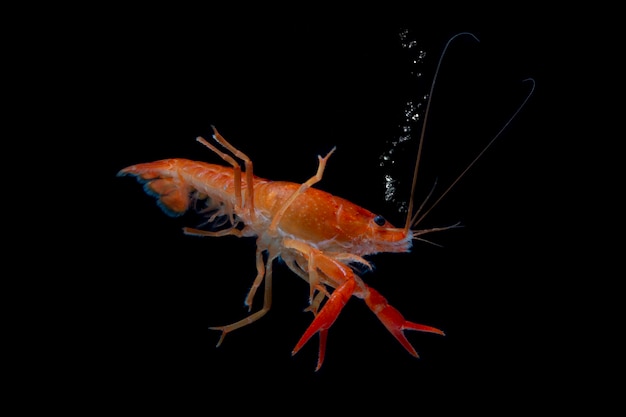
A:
(342, 278)
(326, 317)
(394, 321)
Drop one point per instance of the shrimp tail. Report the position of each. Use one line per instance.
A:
(160, 180)
(394, 321)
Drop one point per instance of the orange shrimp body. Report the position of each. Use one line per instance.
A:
(319, 236)
(328, 222)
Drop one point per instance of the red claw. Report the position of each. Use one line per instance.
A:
(394, 321)
(326, 317)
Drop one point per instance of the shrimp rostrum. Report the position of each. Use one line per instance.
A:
(322, 238)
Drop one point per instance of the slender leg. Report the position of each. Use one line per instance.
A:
(231, 161)
(199, 232)
(267, 302)
(249, 203)
(303, 187)
(257, 281)
(264, 271)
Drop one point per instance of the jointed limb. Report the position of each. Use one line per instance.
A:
(264, 271)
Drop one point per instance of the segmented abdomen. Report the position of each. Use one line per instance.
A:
(177, 182)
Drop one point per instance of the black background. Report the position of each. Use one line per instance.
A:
(284, 89)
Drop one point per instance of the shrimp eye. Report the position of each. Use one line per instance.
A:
(380, 220)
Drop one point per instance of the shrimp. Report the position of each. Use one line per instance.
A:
(322, 238)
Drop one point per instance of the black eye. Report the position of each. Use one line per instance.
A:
(380, 220)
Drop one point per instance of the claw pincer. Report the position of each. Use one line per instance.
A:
(394, 321)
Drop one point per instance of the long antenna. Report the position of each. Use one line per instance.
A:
(410, 217)
(417, 221)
